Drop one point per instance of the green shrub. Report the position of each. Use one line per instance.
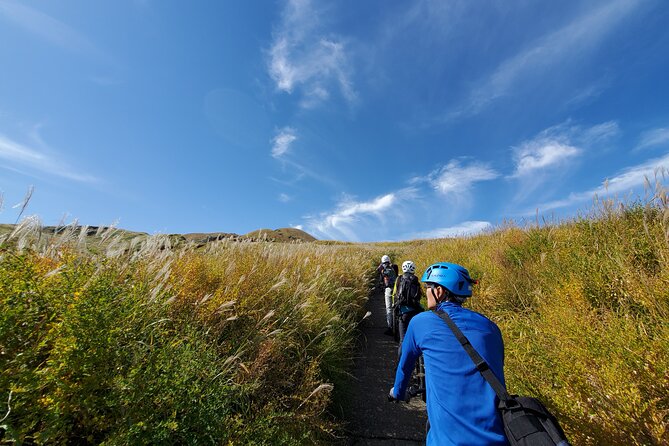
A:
(240, 344)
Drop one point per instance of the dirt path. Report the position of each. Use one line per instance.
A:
(371, 419)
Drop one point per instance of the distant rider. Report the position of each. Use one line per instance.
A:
(407, 295)
(388, 273)
(461, 405)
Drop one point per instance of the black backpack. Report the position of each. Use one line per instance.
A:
(389, 275)
(408, 291)
(526, 420)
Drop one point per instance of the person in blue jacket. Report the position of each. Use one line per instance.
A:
(461, 405)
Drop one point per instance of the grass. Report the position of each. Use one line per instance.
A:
(239, 343)
(139, 340)
(583, 306)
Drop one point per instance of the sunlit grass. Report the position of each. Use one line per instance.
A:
(142, 343)
(583, 306)
(121, 339)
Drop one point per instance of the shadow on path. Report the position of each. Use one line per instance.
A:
(371, 419)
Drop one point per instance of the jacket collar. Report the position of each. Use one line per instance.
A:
(447, 304)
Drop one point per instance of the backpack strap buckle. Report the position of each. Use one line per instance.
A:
(482, 365)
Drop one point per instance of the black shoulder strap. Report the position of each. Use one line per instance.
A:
(481, 365)
(415, 290)
(398, 289)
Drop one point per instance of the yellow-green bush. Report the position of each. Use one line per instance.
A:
(240, 344)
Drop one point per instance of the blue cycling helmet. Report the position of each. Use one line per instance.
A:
(451, 276)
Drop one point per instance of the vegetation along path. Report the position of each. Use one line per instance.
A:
(372, 420)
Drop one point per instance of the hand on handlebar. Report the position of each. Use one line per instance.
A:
(391, 396)
(410, 393)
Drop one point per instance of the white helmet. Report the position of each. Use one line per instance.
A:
(385, 259)
(408, 267)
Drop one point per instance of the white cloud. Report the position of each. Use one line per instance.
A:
(284, 198)
(458, 178)
(282, 141)
(597, 133)
(630, 179)
(349, 210)
(557, 147)
(300, 227)
(29, 157)
(541, 154)
(302, 56)
(556, 49)
(351, 215)
(463, 229)
(653, 138)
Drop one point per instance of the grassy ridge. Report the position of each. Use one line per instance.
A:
(247, 343)
(241, 343)
(583, 307)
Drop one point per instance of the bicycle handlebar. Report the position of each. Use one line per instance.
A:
(415, 391)
(412, 392)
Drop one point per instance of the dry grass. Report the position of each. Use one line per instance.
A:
(583, 306)
(140, 342)
(133, 340)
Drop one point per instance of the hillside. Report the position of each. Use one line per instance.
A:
(96, 234)
(280, 235)
(254, 342)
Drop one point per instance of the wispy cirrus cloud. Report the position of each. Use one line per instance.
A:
(557, 147)
(50, 29)
(284, 198)
(282, 141)
(589, 93)
(458, 177)
(559, 48)
(378, 218)
(351, 214)
(653, 138)
(629, 180)
(542, 154)
(348, 211)
(302, 171)
(304, 57)
(463, 229)
(28, 157)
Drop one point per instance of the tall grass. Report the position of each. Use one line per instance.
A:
(125, 341)
(242, 343)
(583, 306)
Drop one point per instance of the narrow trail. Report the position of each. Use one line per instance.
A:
(372, 420)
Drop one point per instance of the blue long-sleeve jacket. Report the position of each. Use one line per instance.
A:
(461, 405)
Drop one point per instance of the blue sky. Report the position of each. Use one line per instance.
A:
(360, 121)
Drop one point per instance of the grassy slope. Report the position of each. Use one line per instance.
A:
(161, 345)
(239, 342)
(583, 307)
(281, 235)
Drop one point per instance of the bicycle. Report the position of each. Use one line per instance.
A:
(417, 388)
(396, 323)
(419, 375)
